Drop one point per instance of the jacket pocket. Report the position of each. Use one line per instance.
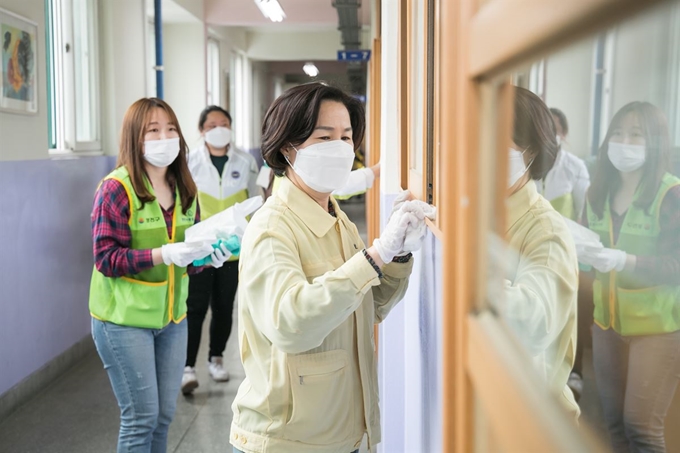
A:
(139, 303)
(321, 409)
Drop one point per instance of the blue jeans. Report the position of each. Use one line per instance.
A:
(145, 368)
(636, 377)
(236, 450)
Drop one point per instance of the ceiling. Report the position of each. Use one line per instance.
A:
(299, 13)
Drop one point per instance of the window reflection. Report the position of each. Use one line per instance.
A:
(591, 254)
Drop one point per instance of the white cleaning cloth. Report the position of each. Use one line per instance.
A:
(231, 221)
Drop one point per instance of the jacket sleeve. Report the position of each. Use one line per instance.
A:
(392, 288)
(540, 299)
(295, 314)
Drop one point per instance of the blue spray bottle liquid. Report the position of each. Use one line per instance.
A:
(232, 243)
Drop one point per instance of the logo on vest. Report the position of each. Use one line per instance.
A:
(149, 219)
(235, 174)
(639, 226)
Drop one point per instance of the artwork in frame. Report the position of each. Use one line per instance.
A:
(18, 81)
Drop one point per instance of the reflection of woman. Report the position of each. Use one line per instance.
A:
(224, 176)
(310, 292)
(139, 284)
(633, 204)
(543, 278)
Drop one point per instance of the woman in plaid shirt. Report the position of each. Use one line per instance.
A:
(139, 282)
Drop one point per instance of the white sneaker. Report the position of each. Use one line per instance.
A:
(575, 383)
(189, 381)
(216, 369)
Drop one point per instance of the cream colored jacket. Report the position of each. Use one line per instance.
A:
(308, 300)
(541, 292)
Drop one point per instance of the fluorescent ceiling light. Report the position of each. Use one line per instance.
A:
(271, 9)
(310, 69)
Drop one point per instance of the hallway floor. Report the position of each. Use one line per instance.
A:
(79, 414)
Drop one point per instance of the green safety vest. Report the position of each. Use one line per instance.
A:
(565, 205)
(622, 301)
(154, 297)
(211, 205)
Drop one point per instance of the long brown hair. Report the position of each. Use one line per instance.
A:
(131, 154)
(292, 117)
(607, 180)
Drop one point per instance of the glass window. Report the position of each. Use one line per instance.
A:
(417, 86)
(583, 249)
(214, 97)
(73, 76)
(85, 53)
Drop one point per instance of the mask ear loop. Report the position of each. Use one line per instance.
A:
(530, 162)
(286, 157)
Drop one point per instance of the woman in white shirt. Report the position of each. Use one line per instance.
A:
(567, 182)
(224, 176)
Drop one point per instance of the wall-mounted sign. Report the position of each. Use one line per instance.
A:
(354, 55)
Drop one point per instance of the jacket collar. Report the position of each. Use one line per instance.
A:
(302, 205)
(206, 153)
(520, 202)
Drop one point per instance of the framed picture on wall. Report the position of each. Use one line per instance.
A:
(18, 81)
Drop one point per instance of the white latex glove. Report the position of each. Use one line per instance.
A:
(220, 255)
(415, 234)
(182, 254)
(391, 241)
(604, 259)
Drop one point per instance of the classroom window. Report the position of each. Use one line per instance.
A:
(214, 95)
(73, 76)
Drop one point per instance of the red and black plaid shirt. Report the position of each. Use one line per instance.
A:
(663, 268)
(112, 236)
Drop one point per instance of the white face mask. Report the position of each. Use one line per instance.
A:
(161, 153)
(324, 167)
(219, 137)
(516, 168)
(626, 158)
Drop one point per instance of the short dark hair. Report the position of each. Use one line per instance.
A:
(562, 118)
(606, 179)
(534, 131)
(292, 117)
(206, 111)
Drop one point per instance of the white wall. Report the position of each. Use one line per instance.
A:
(194, 7)
(24, 137)
(641, 61)
(569, 79)
(261, 98)
(123, 62)
(184, 78)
